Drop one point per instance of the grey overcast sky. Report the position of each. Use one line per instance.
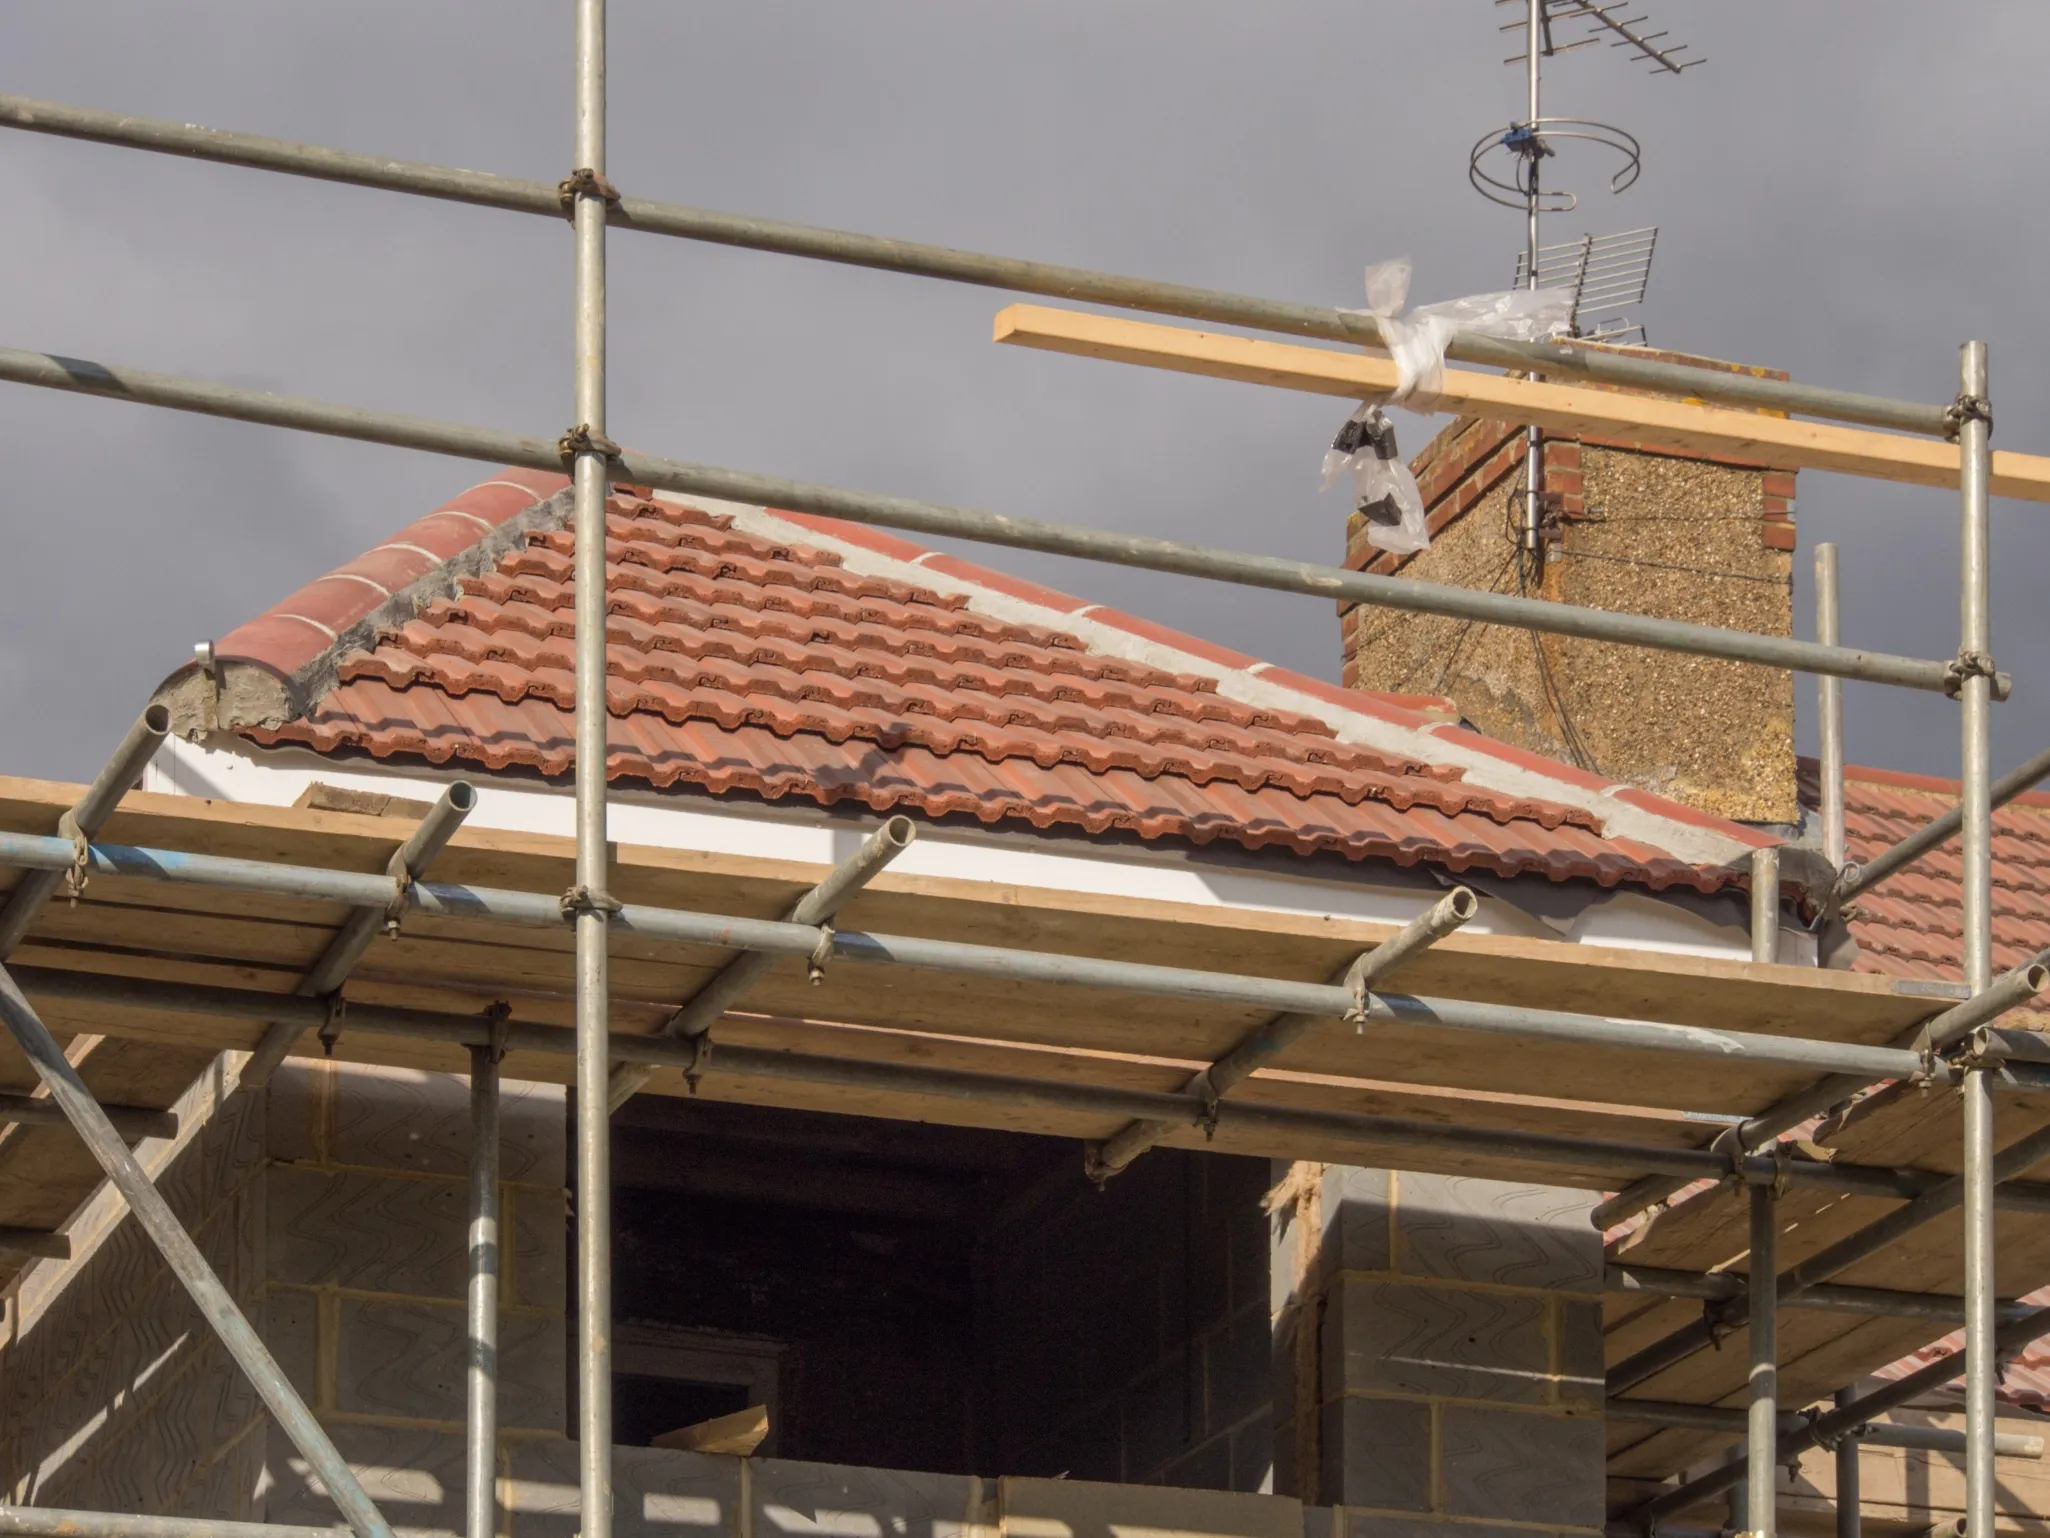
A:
(1847, 189)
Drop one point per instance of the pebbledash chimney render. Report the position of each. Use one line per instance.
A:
(1681, 536)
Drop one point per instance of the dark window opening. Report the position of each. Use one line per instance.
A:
(953, 1300)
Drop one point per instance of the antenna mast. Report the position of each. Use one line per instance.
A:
(1529, 143)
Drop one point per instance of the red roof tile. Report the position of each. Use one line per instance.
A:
(787, 656)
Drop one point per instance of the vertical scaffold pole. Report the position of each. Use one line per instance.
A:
(1765, 904)
(590, 900)
(1762, 1426)
(1975, 804)
(1830, 710)
(1849, 1500)
(481, 1502)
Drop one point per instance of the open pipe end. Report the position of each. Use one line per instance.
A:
(2034, 976)
(899, 832)
(156, 720)
(462, 796)
(1463, 902)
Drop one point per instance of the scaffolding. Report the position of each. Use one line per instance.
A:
(1960, 1047)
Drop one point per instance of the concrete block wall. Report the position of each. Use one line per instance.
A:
(366, 1266)
(114, 1392)
(1438, 1353)
(1125, 1332)
(334, 1205)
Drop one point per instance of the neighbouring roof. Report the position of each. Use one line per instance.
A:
(1910, 925)
(2024, 1380)
(789, 657)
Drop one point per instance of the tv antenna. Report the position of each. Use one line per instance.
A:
(1608, 275)
(1506, 166)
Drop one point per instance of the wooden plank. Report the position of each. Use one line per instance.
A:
(443, 953)
(831, 1039)
(1060, 1015)
(1738, 995)
(1656, 421)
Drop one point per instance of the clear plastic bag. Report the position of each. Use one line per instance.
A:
(1417, 341)
(1385, 491)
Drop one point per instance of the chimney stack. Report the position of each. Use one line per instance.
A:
(1627, 528)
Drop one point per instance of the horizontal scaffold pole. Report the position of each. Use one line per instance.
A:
(1695, 1417)
(1565, 359)
(1826, 1297)
(534, 910)
(1682, 426)
(1374, 1136)
(1331, 583)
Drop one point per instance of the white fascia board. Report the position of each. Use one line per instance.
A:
(238, 772)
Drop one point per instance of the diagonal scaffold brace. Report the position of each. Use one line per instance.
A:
(407, 865)
(2010, 991)
(1262, 1046)
(695, 1017)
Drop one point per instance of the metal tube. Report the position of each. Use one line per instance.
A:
(56, 1522)
(1819, 1267)
(1849, 1475)
(481, 1429)
(38, 1242)
(114, 781)
(1939, 831)
(1765, 907)
(1270, 572)
(1264, 1044)
(1761, 1282)
(1589, 1158)
(532, 910)
(1695, 1417)
(2013, 989)
(1829, 714)
(407, 864)
(128, 1120)
(1563, 359)
(1941, 1439)
(1533, 440)
(182, 1256)
(590, 473)
(1975, 803)
(818, 906)
(1846, 1418)
(1721, 1286)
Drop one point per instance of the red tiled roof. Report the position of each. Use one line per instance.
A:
(1910, 924)
(2024, 1381)
(788, 656)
